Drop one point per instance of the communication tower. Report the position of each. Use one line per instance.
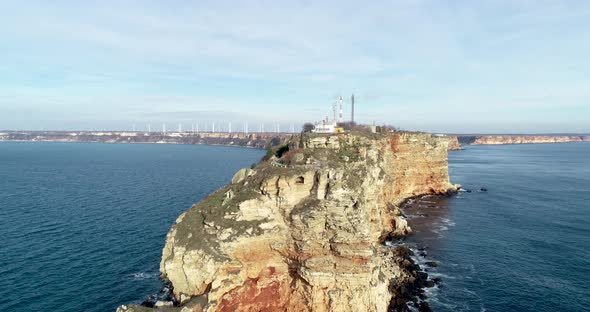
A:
(340, 118)
(352, 108)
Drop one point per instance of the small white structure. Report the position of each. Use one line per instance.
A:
(324, 128)
(331, 125)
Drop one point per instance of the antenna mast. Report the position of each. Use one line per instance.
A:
(352, 110)
(334, 111)
(340, 118)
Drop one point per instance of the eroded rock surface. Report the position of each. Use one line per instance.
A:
(305, 232)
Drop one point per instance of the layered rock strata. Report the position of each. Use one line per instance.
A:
(305, 231)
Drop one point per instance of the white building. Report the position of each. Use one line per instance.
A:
(324, 128)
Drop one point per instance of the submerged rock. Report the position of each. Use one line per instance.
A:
(431, 264)
(309, 237)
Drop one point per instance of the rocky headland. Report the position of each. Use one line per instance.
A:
(454, 144)
(305, 229)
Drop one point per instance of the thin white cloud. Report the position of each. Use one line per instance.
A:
(289, 58)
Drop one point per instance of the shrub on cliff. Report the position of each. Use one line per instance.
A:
(307, 127)
(301, 145)
(282, 150)
(269, 152)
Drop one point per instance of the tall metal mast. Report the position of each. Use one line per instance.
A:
(340, 118)
(352, 108)
(334, 111)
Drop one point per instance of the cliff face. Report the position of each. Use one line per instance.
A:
(305, 232)
(454, 144)
(525, 139)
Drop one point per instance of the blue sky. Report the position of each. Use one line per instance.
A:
(444, 66)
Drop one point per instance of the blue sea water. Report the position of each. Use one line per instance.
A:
(524, 245)
(82, 225)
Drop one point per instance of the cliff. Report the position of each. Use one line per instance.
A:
(257, 140)
(520, 139)
(454, 144)
(305, 231)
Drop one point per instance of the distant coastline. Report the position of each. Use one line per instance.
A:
(519, 139)
(253, 140)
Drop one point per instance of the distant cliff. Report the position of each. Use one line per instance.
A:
(305, 229)
(258, 140)
(454, 144)
(520, 139)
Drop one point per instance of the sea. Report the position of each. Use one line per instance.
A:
(516, 238)
(82, 225)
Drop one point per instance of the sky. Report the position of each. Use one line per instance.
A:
(515, 66)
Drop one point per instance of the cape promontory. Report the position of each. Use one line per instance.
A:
(304, 230)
